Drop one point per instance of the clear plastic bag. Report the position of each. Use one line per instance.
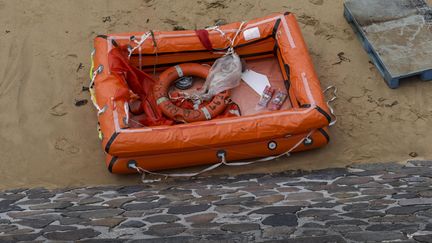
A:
(225, 74)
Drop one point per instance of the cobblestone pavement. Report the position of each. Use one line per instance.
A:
(373, 203)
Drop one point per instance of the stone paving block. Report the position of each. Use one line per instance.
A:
(300, 196)
(405, 196)
(278, 232)
(188, 209)
(95, 214)
(56, 205)
(314, 239)
(239, 228)
(343, 229)
(277, 210)
(131, 189)
(90, 200)
(163, 218)
(353, 180)
(364, 214)
(118, 202)
(312, 225)
(390, 166)
(72, 235)
(375, 236)
(317, 213)
(346, 222)
(281, 220)
(52, 228)
(175, 239)
(85, 208)
(234, 201)
(166, 229)
(415, 201)
(7, 228)
(13, 197)
(102, 241)
(33, 201)
(132, 224)
(107, 222)
(426, 194)
(328, 174)
(25, 214)
(314, 232)
(4, 221)
(270, 199)
(421, 163)
(229, 209)
(423, 238)
(407, 210)
(405, 228)
(204, 232)
(19, 237)
(201, 218)
(70, 221)
(35, 223)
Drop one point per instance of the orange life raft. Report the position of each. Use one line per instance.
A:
(272, 46)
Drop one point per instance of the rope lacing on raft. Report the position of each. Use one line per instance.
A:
(223, 161)
(231, 41)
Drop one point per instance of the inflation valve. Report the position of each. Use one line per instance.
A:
(272, 145)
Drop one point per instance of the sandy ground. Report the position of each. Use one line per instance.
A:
(45, 140)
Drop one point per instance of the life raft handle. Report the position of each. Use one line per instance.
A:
(331, 100)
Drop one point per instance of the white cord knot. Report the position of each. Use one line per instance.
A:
(143, 38)
(334, 93)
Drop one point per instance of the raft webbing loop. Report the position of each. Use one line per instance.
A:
(206, 113)
(203, 36)
(223, 161)
(161, 100)
(179, 71)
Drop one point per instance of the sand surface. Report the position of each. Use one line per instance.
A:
(45, 140)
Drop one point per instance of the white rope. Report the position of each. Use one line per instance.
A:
(139, 43)
(223, 161)
(333, 122)
(217, 29)
(95, 73)
(93, 97)
(232, 41)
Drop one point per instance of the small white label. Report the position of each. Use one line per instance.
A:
(252, 33)
(256, 81)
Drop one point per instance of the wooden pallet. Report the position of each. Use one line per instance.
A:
(396, 34)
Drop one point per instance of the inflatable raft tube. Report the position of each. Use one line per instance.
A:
(273, 45)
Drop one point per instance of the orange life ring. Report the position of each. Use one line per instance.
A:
(216, 106)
